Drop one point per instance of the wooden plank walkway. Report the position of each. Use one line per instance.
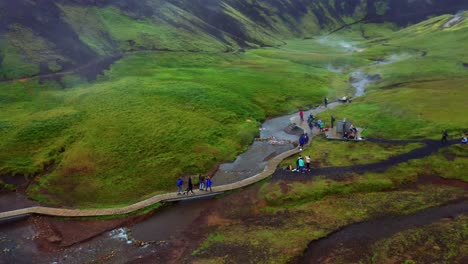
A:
(62, 212)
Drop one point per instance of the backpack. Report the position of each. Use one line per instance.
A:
(180, 182)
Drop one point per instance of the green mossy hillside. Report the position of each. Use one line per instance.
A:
(152, 117)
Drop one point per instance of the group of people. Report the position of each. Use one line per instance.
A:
(352, 134)
(301, 165)
(316, 123)
(204, 185)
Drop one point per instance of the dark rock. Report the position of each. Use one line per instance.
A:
(465, 64)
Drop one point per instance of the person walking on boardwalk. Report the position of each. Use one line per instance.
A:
(201, 180)
(308, 162)
(301, 141)
(444, 136)
(190, 185)
(301, 115)
(332, 121)
(180, 183)
(325, 101)
(208, 184)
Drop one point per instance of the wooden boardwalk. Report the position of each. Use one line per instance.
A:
(62, 212)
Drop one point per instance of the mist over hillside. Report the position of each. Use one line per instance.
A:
(43, 37)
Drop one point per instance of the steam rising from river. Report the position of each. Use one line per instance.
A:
(335, 42)
(455, 20)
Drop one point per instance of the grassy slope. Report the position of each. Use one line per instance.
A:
(152, 117)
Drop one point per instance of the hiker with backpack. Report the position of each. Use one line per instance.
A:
(300, 164)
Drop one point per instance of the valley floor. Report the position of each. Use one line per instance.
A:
(346, 210)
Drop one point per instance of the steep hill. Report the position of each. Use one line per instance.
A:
(48, 36)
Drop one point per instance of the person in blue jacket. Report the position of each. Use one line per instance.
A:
(208, 184)
(301, 141)
(180, 183)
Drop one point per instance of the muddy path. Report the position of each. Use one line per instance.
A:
(358, 238)
(337, 173)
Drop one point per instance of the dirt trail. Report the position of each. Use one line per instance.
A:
(358, 238)
(337, 173)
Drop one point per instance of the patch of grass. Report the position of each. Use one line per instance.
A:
(300, 223)
(450, 163)
(443, 242)
(326, 153)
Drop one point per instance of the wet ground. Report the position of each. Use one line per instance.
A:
(53, 240)
(13, 200)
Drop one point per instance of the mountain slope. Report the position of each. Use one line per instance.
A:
(40, 37)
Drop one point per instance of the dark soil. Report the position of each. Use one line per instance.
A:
(337, 173)
(357, 239)
(436, 180)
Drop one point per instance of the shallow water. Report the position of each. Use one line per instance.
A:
(171, 221)
(12, 201)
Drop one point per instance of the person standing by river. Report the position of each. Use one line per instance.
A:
(301, 115)
(444, 136)
(325, 101)
(332, 121)
(308, 162)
